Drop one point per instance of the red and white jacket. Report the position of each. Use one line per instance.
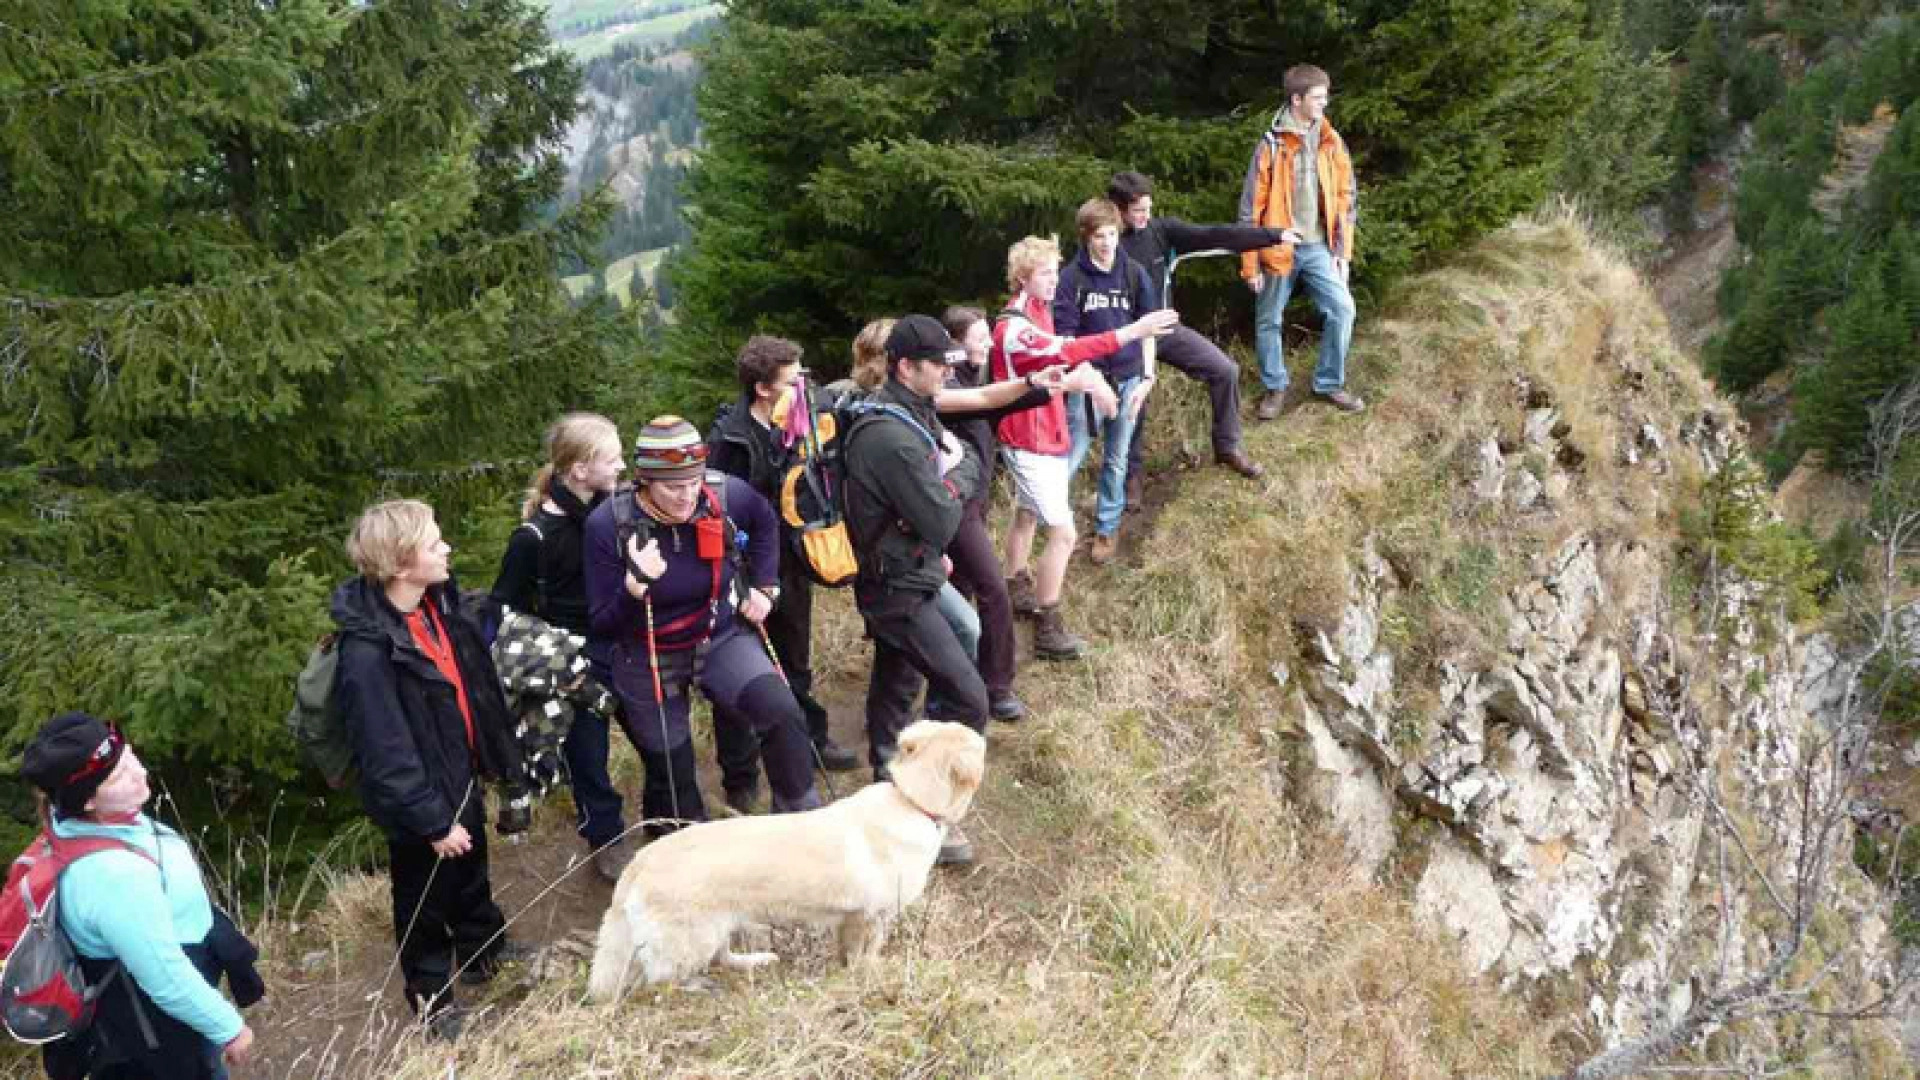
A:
(1024, 341)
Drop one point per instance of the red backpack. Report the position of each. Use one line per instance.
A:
(44, 994)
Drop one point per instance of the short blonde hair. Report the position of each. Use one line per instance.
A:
(1026, 256)
(870, 354)
(387, 536)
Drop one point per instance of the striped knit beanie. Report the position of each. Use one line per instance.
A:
(669, 448)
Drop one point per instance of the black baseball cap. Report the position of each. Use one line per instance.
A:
(921, 337)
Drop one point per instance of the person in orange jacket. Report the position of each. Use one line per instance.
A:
(1301, 180)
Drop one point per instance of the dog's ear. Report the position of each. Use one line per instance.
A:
(914, 737)
(965, 763)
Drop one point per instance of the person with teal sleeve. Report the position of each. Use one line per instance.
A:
(143, 908)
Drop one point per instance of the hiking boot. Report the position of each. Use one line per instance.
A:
(1136, 490)
(1021, 595)
(1239, 462)
(1105, 547)
(611, 859)
(743, 800)
(955, 849)
(1051, 641)
(445, 1024)
(1269, 407)
(1004, 707)
(1341, 400)
(483, 970)
(836, 758)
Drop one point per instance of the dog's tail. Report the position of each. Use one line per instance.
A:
(613, 957)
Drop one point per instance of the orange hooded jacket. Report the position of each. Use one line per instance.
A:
(1266, 197)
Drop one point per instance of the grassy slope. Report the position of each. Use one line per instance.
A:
(1150, 900)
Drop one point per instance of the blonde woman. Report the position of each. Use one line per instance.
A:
(541, 574)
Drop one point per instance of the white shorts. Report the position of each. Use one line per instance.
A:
(1041, 483)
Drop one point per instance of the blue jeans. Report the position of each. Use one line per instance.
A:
(960, 615)
(1116, 435)
(1313, 267)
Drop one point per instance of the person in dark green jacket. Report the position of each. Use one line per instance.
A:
(909, 480)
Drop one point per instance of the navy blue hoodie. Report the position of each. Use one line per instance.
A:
(1092, 301)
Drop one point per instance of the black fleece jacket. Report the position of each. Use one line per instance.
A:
(403, 718)
(541, 571)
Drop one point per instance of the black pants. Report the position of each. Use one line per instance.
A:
(977, 574)
(913, 643)
(790, 628)
(457, 923)
(1197, 358)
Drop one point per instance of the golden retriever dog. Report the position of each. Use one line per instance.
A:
(853, 865)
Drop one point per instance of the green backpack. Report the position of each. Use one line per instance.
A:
(316, 726)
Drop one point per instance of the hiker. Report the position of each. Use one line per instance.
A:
(145, 910)
(908, 482)
(1301, 181)
(427, 719)
(744, 443)
(682, 570)
(973, 406)
(541, 574)
(1035, 443)
(1102, 289)
(1153, 243)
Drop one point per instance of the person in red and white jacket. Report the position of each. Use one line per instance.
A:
(1036, 441)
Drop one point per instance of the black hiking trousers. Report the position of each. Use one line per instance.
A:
(914, 644)
(1191, 354)
(457, 923)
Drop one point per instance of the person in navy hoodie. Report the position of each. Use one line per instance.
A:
(1102, 290)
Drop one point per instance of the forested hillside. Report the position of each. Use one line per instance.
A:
(1826, 293)
(635, 136)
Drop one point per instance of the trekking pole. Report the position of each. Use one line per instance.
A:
(1166, 283)
(660, 707)
(780, 670)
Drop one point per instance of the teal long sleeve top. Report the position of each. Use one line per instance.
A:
(117, 905)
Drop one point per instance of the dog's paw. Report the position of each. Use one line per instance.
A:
(697, 984)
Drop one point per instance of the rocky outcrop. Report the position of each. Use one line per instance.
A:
(1566, 801)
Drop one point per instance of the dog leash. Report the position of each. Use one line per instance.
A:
(780, 670)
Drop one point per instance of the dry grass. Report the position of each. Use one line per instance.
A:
(1149, 901)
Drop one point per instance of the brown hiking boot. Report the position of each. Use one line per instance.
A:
(610, 860)
(1136, 490)
(1021, 596)
(1269, 407)
(1105, 547)
(1341, 400)
(1051, 641)
(1239, 462)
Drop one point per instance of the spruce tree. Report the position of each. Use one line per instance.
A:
(260, 264)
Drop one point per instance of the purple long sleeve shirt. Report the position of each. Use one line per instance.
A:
(683, 594)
